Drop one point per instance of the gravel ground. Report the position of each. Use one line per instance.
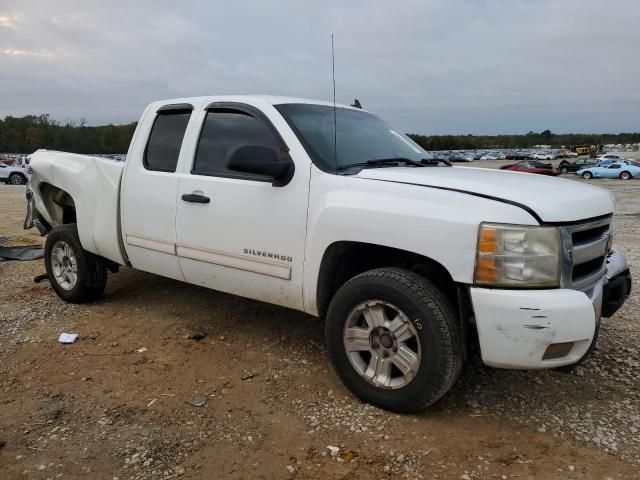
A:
(103, 408)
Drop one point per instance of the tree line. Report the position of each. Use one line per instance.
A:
(477, 142)
(29, 133)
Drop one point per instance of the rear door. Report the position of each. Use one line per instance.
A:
(249, 238)
(149, 191)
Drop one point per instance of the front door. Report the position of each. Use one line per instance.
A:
(235, 231)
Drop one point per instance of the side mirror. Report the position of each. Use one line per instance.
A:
(261, 160)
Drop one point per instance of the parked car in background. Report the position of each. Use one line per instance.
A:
(621, 170)
(531, 166)
(458, 157)
(23, 162)
(543, 156)
(579, 164)
(489, 156)
(13, 174)
(610, 156)
(564, 153)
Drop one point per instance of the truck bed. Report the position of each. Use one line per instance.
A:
(93, 184)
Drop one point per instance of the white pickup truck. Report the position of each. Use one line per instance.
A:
(331, 211)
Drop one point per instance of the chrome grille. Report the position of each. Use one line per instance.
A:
(585, 253)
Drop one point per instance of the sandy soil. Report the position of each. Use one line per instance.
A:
(100, 408)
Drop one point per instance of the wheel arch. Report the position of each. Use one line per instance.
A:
(343, 260)
(59, 204)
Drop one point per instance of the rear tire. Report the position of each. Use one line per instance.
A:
(625, 175)
(564, 170)
(77, 276)
(398, 315)
(587, 175)
(17, 179)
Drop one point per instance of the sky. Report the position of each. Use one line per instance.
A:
(430, 67)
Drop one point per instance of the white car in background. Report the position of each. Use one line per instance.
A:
(610, 156)
(13, 174)
(543, 156)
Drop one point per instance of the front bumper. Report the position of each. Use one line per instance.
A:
(516, 328)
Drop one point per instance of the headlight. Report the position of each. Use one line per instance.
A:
(518, 256)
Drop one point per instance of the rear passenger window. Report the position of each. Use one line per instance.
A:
(165, 140)
(224, 129)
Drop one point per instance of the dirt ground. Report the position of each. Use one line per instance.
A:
(104, 408)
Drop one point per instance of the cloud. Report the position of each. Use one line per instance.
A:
(474, 66)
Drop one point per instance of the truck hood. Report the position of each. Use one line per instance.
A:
(551, 199)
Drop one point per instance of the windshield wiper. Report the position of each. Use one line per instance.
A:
(435, 161)
(378, 162)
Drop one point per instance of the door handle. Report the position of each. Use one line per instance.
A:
(195, 198)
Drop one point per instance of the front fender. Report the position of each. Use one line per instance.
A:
(439, 224)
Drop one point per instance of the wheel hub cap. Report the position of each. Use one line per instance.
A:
(64, 265)
(382, 344)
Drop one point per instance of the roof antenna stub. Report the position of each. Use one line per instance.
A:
(356, 104)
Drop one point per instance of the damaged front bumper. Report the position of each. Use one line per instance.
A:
(531, 329)
(617, 287)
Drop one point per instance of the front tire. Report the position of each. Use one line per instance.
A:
(77, 276)
(625, 175)
(564, 170)
(587, 175)
(394, 340)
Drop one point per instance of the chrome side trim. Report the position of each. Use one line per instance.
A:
(151, 244)
(231, 260)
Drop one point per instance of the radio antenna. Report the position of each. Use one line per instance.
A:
(335, 127)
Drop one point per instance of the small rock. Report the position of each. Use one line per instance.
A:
(333, 450)
(464, 476)
(572, 468)
(291, 468)
(198, 401)
(197, 336)
(179, 470)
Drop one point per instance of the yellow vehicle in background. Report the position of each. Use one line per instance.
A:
(591, 150)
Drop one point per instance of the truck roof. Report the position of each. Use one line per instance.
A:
(270, 99)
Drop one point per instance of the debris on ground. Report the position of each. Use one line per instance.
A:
(197, 336)
(68, 338)
(198, 401)
(22, 253)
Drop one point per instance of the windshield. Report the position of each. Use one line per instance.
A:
(359, 136)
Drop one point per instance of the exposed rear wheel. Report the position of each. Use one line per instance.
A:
(394, 339)
(625, 175)
(17, 179)
(76, 275)
(587, 175)
(564, 170)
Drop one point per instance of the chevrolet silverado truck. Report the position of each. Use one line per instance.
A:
(328, 210)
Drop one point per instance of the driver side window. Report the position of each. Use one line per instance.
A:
(224, 129)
